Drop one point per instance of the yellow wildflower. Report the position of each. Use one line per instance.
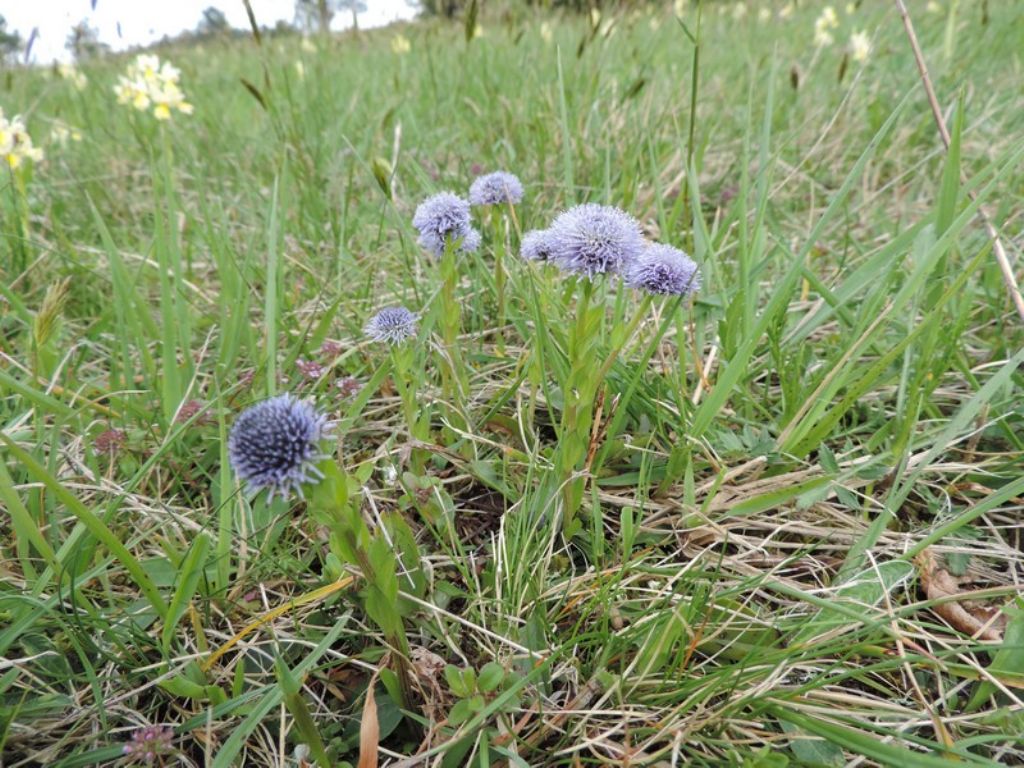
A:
(73, 74)
(148, 81)
(400, 44)
(860, 46)
(825, 22)
(15, 144)
(61, 133)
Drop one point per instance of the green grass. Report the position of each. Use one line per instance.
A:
(743, 583)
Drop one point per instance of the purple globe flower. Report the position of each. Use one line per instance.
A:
(441, 218)
(495, 189)
(470, 241)
(149, 743)
(537, 245)
(662, 269)
(393, 325)
(275, 444)
(595, 239)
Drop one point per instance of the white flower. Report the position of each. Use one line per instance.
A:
(15, 144)
(300, 70)
(73, 74)
(823, 24)
(933, 7)
(147, 82)
(61, 133)
(786, 11)
(545, 32)
(739, 11)
(764, 15)
(860, 46)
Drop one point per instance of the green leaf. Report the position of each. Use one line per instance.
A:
(884, 752)
(190, 572)
(814, 753)
(1008, 660)
(491, 676)
(93, 524)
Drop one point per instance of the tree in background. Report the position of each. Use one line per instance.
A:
(10, 42)
(213, 22)
(84, 41)
(356, 7)
(313, 14)
(310, 14)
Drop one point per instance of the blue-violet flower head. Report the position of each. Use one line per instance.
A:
(537, 245)
(275, 444)
(440, 218)
(496, 189)
(393, 325)
(593, 239)
(662, 269)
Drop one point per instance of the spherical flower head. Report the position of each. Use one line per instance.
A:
(496, 188)
(595, 239)
(275, 444)
(663, 270)
(537, 245)
(149, 743)
(441, 218)
(393, 325)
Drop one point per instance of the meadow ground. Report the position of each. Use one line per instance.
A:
(797, 536)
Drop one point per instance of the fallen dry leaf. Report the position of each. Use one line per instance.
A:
(974, 619)
(369, 731)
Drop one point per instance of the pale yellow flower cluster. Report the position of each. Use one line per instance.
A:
(74, 75)
(400, 44)
(61, 133)
(824, 25)
(860, 46)
(150, 83)
(15, 143)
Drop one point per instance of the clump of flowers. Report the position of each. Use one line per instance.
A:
(275, 444)
(537, 245)
(310, 369)
(15, 144)
(663, 270)
(400, 44)
(594, 239)
(348, 386)
(62, 134)
(110, 441)
(149, 743)
(73, 74)
(860, 46)
(444, 218)
(196, 409)
(496, 189)
(330, 349)
(148, 82)
(823, 26)
(393, 325)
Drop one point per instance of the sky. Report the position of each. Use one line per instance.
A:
(124, 23)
